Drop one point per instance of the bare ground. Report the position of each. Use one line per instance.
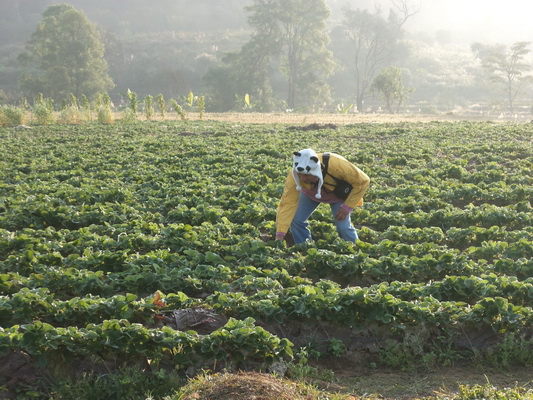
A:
(396, 385)
(345, 119)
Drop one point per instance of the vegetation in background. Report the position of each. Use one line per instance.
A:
(161, 105)
(295, 31)
(149, 107)
(367, 42)
(389, 84)
(12, 116)
(507, 68)
(65, 55)
(178, 109)
(103, 109)
(221, 61)
(43, 110)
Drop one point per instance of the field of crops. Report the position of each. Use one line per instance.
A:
(108, 231)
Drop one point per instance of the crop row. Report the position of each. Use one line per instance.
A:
(206, 273)
(401, 302)
(354, 306)
(233, 343)
(95, 220)
(148, 236)
(45, 212)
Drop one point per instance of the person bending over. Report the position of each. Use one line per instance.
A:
(320, 178)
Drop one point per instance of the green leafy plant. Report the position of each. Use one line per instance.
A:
(178, 109)
(133, 103)
(149, 107)
(244, 103)
(161, 104)
(336, 347)
(344, 108)
(489, 392)
(103, 109)
(11, 116)
(43, 111)
(200, 106)
(95, 219)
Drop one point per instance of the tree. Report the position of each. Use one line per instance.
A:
(295, 31)
(65, 55)
(389, 84)
(246, 71)
(372, 41)
(506, 67)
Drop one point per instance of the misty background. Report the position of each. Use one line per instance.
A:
(168, 47)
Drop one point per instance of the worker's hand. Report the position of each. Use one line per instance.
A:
(341, 214)
(280, 236)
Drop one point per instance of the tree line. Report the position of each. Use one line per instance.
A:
(292, 58)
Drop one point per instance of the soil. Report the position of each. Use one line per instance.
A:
(396, 385)
(331, 120)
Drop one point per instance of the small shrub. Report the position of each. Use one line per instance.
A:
(104, 115)
(103, 109)
(336, 347)
(178, 109)
(129, 382)
(11, 116)
(160, 100)
(148, 107)
(200, 106)
(490, 392)
(134, 104)
(513, 350)
(85, 108)
(128, 117)
(406, 355)
(44, 114)
(70, 115)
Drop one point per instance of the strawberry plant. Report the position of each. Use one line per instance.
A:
(95, 219)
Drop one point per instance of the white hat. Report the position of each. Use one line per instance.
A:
(307, 162)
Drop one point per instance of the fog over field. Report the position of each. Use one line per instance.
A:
(462, 21)
(466, 21)
(174, 47)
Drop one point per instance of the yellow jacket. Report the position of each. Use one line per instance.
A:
(340, 168)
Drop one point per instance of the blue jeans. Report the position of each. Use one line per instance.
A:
(306, 206)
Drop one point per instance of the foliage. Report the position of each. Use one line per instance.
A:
(344, 108)
(161, 104)
(43, 110)
(506, 68)
(178, 109)
(487, 392)
(200, 106)
(133, 102)
(130, 381)
(442, 273)
(389, 84)
(237, 74)
(11, 116)
(295, 30)
(367, 42)
(244, 103)
(103, 109)
(149, 107)
(70, 113)
(65, 55)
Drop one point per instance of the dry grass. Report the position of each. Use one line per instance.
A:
(338, 119)
(438, 385)
(252, 386)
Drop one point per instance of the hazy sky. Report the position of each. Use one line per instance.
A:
(502, 21)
